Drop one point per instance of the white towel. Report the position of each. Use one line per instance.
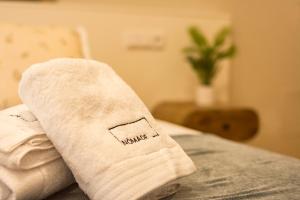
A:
(23, 143)
(74, 192)
(102, 129)
(36, 183)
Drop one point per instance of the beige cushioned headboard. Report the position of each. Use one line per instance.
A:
(23, 45)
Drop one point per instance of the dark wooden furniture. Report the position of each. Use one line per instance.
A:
(232, 123)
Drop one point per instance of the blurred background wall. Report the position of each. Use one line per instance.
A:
(265, 74)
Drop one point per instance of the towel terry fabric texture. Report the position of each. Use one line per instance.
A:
(30, 166)
(36, 183)
(27, 169)
(23, 143)
(101, 128)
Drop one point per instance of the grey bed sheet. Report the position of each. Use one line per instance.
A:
(228, 170)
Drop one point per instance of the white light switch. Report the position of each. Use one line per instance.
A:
(143, 39)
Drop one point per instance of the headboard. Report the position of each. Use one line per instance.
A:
(22, 45)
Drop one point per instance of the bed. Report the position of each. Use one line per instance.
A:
(226, 170)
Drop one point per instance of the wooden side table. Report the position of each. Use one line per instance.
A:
(232, 123)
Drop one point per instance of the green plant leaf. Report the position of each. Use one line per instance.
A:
(206, 70)
(198, 37)
(193, 61)
(208, 52)
(221, 37)
(204, 57)
(229, 52)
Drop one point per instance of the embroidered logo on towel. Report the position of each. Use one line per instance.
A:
(133, 132)
(25, 116)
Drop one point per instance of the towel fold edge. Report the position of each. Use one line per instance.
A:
(133, 178)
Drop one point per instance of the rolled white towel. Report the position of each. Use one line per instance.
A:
(34, 184)
(102, 129)
(74, 192)
(23, 143)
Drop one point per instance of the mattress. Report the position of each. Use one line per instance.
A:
(226, 170)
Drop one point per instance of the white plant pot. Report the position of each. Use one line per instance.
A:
(205, 95)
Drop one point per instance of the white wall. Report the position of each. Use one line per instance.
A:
(266, 72)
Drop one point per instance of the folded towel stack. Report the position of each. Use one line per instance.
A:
(30, 166)
(23, 143)
(101, 129)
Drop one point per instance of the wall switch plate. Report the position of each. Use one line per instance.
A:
(143, 39)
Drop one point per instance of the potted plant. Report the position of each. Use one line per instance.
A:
(204, 57)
